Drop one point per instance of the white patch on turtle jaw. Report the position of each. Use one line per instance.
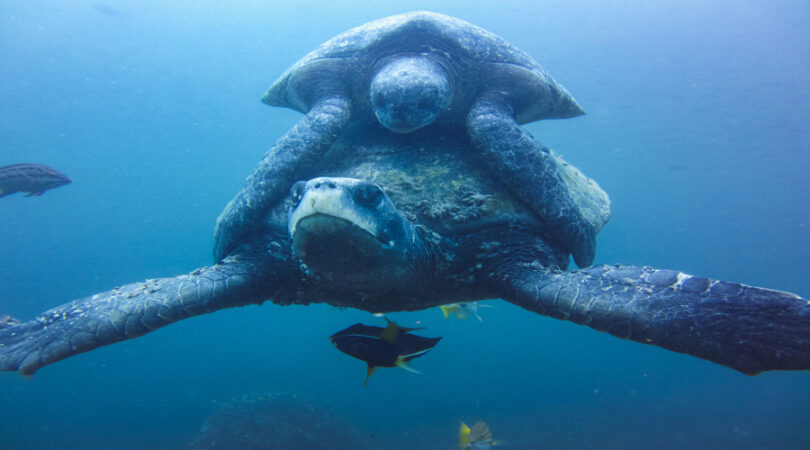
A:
(332, 203)
(324, 225)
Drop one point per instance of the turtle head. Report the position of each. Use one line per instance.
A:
(348, 233)
(410, 92)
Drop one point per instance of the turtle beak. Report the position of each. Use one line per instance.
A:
(409, 93)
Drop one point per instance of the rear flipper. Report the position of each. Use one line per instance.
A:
(746, 328)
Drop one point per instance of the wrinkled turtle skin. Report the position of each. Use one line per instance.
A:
(402, 223)
(426, 71)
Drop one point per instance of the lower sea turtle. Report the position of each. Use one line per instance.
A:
(402, 222)
(425, 70)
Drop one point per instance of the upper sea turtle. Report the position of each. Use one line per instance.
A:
(406, 72)
(404, 222)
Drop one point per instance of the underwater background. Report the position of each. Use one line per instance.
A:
(698, 128)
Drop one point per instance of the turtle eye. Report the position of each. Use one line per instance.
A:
(367, 194)
(297, 190)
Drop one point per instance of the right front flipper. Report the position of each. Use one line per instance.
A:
(130, 311)
(746, 328)
(284, 164)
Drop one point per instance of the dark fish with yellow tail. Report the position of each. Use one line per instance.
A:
(392, 346)
(34, 179)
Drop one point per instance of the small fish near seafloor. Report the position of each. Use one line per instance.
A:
(34, 179)
(391, 346)
(478, 436)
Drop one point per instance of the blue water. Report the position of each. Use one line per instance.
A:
(698, 127)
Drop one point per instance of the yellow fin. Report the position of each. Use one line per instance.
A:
(463, 436)
(401, 328)
(401, 363)
(390, 332)
(449, 309)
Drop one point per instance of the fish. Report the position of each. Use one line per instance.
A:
(462, 310)
(392, 346)
(34, 179)
(107, 10)
(7, 321)
(477, 437)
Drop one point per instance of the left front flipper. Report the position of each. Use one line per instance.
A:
(746, 328)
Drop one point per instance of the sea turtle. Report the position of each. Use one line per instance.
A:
(405, 222)
(409, 71)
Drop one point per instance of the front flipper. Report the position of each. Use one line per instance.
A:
(747, 328)
(573, 207)
(284, 164)
(130, 311)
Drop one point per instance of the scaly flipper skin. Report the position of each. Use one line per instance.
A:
(285, 163)
(746, 328)
(133, 310)
(534, 176)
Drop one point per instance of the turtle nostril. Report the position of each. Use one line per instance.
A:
(326, 184)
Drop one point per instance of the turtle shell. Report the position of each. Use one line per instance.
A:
(474, 59)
